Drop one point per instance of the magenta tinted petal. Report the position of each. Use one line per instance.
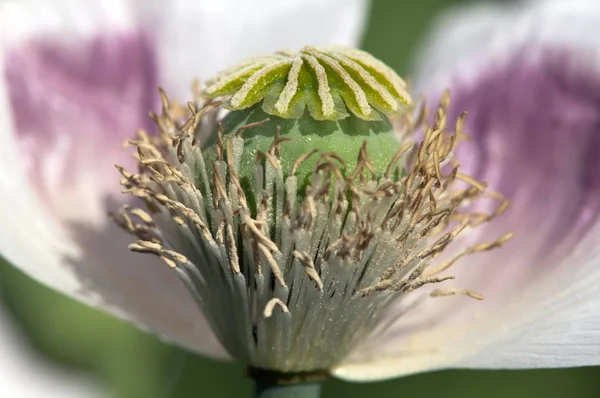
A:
(74, 104)
(534, 136)
(535, 129)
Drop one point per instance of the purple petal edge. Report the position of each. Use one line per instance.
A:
(535, 129)
(75, 102)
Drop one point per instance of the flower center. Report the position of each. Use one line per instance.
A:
(292, 283)
(292, 237)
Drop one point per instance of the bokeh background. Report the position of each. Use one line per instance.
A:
(134, 364)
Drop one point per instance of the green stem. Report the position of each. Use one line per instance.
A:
(307, 390)
(272, 384)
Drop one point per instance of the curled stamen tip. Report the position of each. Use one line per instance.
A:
(270, 307)
(328, 81)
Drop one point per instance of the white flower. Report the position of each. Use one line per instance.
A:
(60, 131)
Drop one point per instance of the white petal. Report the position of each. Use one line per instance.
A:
(465, 39)
(199, 38)
(25, 374)
(54, 226)
(542, 289)
(22, 20)
(554, 324)
(560, 329)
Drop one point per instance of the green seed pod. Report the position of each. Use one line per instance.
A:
(326, 99)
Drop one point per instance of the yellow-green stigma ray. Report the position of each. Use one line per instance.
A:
(380, 71)
(330, 82)
(324, 91)
(290, 90)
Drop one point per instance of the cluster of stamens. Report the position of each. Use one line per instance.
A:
(292, 277)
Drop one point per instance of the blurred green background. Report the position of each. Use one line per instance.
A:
(134, 364)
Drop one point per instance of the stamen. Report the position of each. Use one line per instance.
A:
(332, 249)
(453, 292)
(309, 267)
(271, 306)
